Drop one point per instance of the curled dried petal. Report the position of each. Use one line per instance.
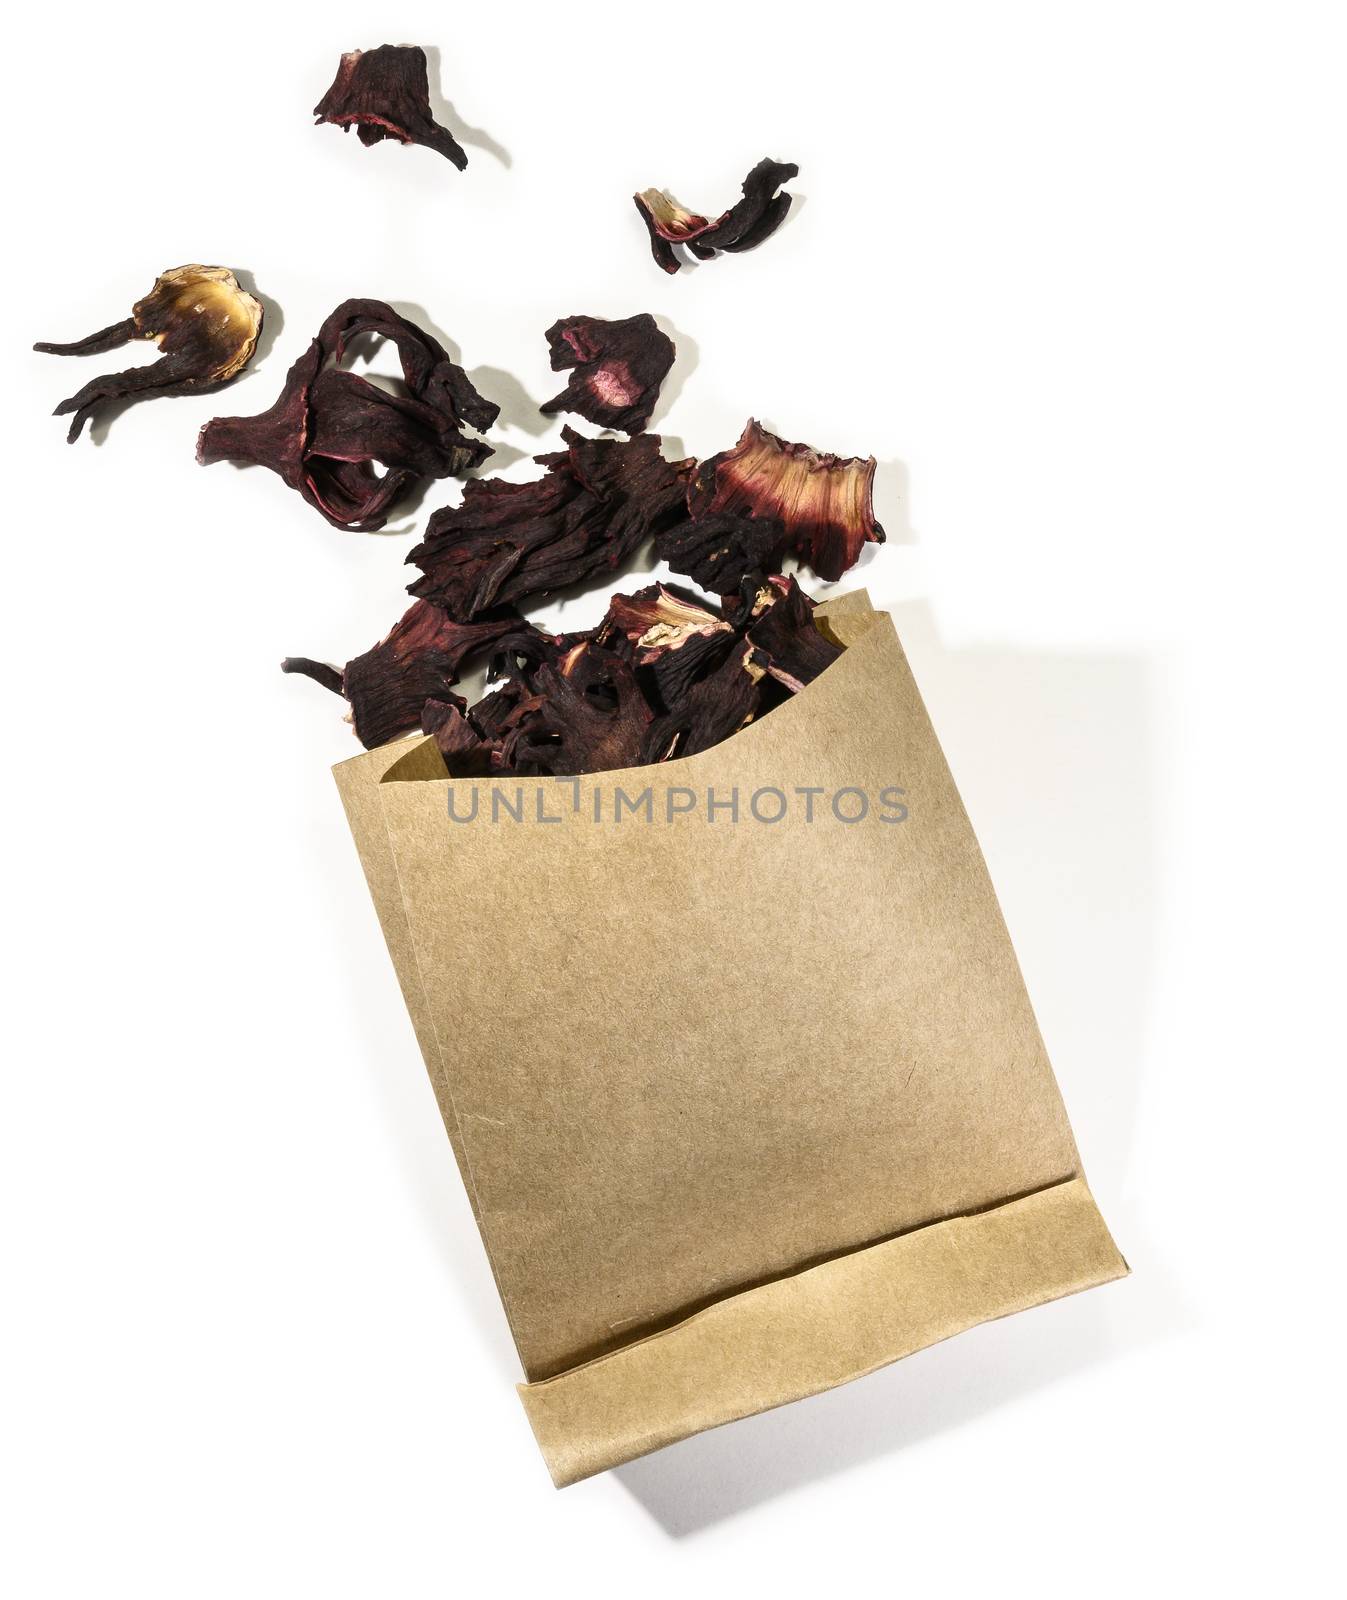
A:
(596, 503)
(718, 552)
(429, 371)
(673, 636)
(824, 502)
(330, 426)
(619, 367)
(388, 686)
(747, 223)
(385, 94)
(466, 753)
(755, 595)
(657, 618)
(503, 719)
(794, 652)
(590, 716)
(519, 653)
(712, 709)
(206, 326)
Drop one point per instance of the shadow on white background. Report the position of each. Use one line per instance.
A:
(1053, 757)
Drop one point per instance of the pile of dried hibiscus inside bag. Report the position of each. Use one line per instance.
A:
(666, 673)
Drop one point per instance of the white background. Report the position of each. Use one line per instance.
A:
(1075, 274)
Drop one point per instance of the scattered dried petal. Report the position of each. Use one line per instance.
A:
(658, 618)
(505, 542)
(519, 654)
(591, 716)
(713, 708)
(824, 502)
(619, 367)
(720, 551)
(668, 633)
(330, 426)
(755, 595)
(385, 94)
(747, 223)
(419, 660)
(466, 753)
(793, 649)
(205, 325)
(502, 719)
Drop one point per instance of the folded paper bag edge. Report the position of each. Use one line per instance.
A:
(820, 1328)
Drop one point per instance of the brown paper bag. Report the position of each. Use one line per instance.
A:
(747, 1104)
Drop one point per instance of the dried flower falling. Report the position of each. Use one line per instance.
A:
(619, 367)
(418, 661)
(823, 502)
(385, 94)
(206, 327)
(722, 550)
(663, 675)
(330, 426)
(793, 650)
(747, 223)
(596, 504)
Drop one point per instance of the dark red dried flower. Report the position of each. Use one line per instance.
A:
(206, 327)
(720, 551)
(668, 633)
(385, 94)
(505, 542)
(793, 650)
(502, 720)
(590, 716)
(466, 753)
(388, 686)
(824, 502)
(713, 708)
(747, 223)
(755, 595)
(518, 654)
(330, 426)
(619, 367)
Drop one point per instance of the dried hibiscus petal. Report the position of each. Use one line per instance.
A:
(748, 222)
(720, 551)
(502, 719)
(385, 94)
(755, 595)
(619, 367)
(712, 709)
(205, 325)
(824, 502)
(330, 426)
(596, 503)
(466, 753)
(519, 653)
(590, 716)
(793, 650)
(640, 491)
(419, 660)
(670, 634)
(471, 551)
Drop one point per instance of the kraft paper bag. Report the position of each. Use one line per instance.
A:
(748, 1097)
